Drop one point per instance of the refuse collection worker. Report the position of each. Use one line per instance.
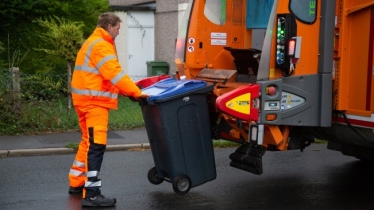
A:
(97, 81)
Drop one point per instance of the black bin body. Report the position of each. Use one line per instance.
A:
(179, 134)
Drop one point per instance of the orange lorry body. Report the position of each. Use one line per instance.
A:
(325, 90)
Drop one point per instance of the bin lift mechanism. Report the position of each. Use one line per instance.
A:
(244, 104)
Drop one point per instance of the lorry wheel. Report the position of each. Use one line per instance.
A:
(182, 184)
(153, 178)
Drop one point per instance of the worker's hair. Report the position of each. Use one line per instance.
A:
(108, 18)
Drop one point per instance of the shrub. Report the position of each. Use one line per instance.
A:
(39, 87)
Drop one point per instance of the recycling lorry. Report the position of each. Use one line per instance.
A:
(285, 72)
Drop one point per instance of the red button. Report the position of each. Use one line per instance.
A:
(270, 90)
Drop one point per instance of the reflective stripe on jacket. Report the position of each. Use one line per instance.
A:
(98, 77)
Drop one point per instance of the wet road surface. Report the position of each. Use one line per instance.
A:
(314, 179)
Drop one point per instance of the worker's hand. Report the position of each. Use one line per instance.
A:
(142, 99)
(143, 96)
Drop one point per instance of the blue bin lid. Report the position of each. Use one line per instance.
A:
(171, 87)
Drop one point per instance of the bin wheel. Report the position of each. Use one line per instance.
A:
(153, 178)
(182, 184)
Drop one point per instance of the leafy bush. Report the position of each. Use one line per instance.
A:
(2, 62)
(43, 87)
(16, 23)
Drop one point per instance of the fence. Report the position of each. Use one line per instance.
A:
(37, 85)
(38, 103)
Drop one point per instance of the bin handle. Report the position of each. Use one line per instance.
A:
(189, 83)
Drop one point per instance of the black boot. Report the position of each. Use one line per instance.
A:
(98, 200)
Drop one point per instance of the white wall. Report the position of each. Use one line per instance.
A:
(121, 40)
(140, 42)
(132, 54)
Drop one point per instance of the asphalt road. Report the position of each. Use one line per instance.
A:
(314, 179)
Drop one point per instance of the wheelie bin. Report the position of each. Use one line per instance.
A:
(178, 127)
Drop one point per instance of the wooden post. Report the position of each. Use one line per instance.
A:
(69, 86)
(16, 90)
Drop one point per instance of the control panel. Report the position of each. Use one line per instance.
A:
(272, 106)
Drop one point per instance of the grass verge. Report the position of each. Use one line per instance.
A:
(40, 117)
(224, 144)
(72, 145)
(320, 141)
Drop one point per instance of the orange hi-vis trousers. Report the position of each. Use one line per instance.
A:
(93, 122)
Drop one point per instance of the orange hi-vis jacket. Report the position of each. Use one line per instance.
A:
(98, 77)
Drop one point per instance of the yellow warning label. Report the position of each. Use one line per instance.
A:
(271, 74)
(240, 104)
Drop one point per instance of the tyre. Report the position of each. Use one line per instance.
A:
(153, 178)
(182, 184)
